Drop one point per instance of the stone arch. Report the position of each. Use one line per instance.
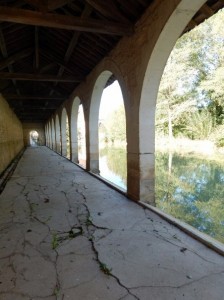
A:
(175, 25)
(99, 85)
(50, 135)
(57, 134)
(64, 116)
(33, 138)
(53, 134)
(46, 134)
(82, 147)
(73, 129)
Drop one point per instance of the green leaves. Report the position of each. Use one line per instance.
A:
(193, 81)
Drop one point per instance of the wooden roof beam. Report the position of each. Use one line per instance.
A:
(28, 17)
(15, 57)
(31, 97)
(208, 11)
(5, 55)
(108, 9)
(54, 4)
(44, 5)
(36, 56)
(37, 77)
(72, 44)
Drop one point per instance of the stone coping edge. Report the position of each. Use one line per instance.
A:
(193, 232)
(7, 173)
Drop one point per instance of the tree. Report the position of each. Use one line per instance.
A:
(193, 79)
(115, 125)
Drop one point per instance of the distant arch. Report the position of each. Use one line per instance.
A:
(57, 134)
(33, 138)
(53, 134)
(74, 132)
(98, 88)
(50, 135)
(64, 117)
(81, 133)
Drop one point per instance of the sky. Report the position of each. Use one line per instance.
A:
(111, 99)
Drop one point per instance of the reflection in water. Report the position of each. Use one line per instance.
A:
(113, 165)
(192, 189)
(189, 188)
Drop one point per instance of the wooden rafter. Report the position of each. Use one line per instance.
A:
(31, 97)
(37, 77)
(54, 4)
(207, 10)
(55, 60)
(73, 42)
(28, 17)
(36, 57)
(44, 5)
(5, 55)
(108, 9)
(14, 58)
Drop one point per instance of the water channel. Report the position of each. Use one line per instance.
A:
(189, 188)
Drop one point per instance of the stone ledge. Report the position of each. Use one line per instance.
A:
(191, 231)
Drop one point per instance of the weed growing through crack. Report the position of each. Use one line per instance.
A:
(89, 222)
(72, 234)
(105, 269)
(48, 219)
(56, 291)
(54, 241)
(32, 207)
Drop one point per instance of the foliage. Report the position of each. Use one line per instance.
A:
(200, 125)
(104, 268)
(114, 127)
(54, 241)
(192, 84)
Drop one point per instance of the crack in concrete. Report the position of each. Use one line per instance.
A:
(179, 286)
(84, 225)
(90, 230)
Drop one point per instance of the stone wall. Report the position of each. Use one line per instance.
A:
(39, 127)
(11, 135)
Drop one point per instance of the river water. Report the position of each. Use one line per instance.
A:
(187, 187)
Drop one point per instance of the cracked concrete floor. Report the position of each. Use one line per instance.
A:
(66, 235)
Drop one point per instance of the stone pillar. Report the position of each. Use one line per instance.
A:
(93, 134)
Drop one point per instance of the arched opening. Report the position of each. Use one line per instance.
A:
(189, 169)
(53, 134)
(157, 61)
(46, 134)
(74, 135)
(81, 133)
(50, 135)
(93, 120)
(64, 118)
(34, 138)
(68, 152)
(154, 70)
(112, 136)
(57, 134)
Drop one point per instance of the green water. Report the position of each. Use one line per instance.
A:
(187, 187)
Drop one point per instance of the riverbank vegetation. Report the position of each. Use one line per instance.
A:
(190, 101)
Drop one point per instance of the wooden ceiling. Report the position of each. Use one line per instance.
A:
(49, 46)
